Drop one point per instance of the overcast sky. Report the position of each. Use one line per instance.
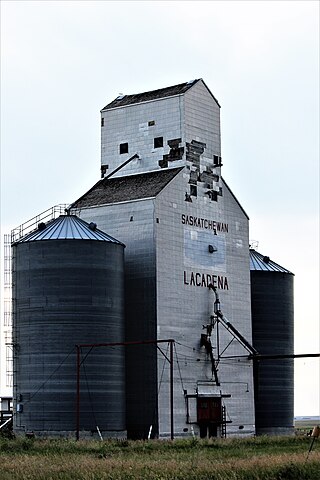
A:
(61, 62)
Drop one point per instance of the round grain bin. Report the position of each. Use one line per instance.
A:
(272, 334)
(68, 289)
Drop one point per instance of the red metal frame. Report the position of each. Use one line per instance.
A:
(146, 342)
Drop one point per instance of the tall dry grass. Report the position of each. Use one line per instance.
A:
(261, 458)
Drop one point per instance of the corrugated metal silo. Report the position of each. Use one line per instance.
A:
(272, 334)
(68, 289)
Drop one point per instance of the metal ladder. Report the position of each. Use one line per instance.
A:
(224, 423)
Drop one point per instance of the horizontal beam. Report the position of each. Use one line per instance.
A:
(116, 344)
(275, 356)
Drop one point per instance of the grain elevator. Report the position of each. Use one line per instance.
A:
(163, 196)
(148, 272)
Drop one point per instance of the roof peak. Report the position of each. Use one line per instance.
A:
(124, 100)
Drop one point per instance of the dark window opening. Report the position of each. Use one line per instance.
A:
(193, 190)
(158, 142)
(124, 148)
(104, 168)
(214, 196)
(102, 122)
(215, 160)
(151, 123)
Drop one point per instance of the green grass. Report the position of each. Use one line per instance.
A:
(260, 458)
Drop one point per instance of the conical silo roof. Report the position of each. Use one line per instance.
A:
(67, 227)
(259, 262)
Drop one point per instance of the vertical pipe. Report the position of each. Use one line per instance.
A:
(78, 395)
(171, 390)
(218, 339)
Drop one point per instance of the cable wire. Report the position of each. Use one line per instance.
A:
(164, 362)
(89, 393)
(50, 376)
(178, 367)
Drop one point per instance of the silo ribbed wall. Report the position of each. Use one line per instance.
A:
(68, 292)
(272, 333)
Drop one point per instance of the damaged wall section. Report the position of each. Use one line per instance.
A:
(176, 153)
(202, 175)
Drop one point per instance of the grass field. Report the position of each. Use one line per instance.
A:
(304, 426)
(260, 458)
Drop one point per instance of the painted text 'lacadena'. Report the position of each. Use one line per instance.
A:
(205, 279)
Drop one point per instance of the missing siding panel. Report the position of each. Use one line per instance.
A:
(102, 122)
(193, 177)
(213, 195)
(194, 151)
(174, 143)
(193, 190)
(104, 168)
(151, 123)
(175, 153)
(217, 161)
(163, 163)
(203, 174)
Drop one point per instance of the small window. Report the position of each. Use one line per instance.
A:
(151, 123)
(124, 148)
(102, 122)
(158, 142)
(215, 160)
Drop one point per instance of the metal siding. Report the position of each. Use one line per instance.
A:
(202, 120)
(140, 306)
(158, 304)
(129, 124)
(272, 328)
(183, 309)
(68, 292)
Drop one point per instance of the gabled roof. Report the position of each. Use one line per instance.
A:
(132, 187)
(67, 227)
(263, 263)
(123, 100)
(233, 195)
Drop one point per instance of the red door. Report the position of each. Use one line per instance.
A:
(209, 410)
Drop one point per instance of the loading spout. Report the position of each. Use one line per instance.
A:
(122, 165)
(236, 334)
(228, 326)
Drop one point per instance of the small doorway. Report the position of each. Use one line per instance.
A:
(209, 416)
